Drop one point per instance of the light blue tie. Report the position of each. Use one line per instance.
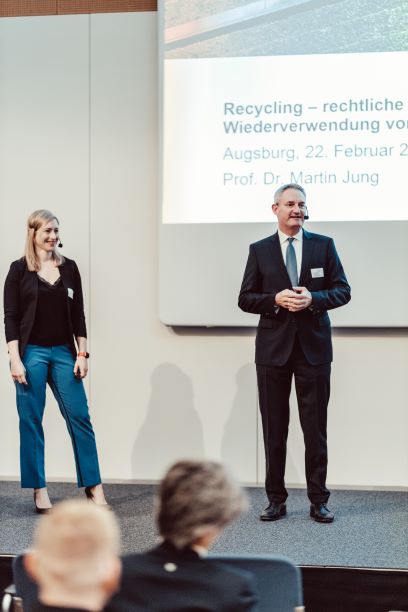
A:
(291, 264)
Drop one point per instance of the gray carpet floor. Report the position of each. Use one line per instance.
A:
(370, 529)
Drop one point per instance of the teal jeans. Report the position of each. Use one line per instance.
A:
(54, 365)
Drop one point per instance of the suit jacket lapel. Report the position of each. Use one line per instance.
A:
(29, 299)
(30, 284)
(63, 271)
(307, 252)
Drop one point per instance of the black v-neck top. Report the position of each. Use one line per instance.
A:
(51, 326)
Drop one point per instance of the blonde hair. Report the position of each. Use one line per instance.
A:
(75, 545)
(195, 496)
(34, 222)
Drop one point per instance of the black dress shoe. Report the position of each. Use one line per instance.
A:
(321, 514)
(273, 512)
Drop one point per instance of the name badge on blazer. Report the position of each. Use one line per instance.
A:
(317, 272)
(70, 293)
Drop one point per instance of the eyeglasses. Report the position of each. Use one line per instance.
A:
(300, 205)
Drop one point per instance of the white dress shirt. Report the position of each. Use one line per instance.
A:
(297, 245)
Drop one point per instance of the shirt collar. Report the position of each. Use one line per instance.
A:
(283, 237)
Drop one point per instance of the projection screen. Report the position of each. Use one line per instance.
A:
(255, 94)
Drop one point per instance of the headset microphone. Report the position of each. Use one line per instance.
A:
(306, 215)
(60, 245)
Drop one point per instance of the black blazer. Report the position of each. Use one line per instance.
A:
(168, 580)
(20, 302)
(265, 275)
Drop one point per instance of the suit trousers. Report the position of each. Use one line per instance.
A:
(312, 383)
(55, 365)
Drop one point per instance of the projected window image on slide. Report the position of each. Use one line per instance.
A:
(238, 122)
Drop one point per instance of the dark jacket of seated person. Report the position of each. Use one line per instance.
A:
(43, 608)
(195, 501)
(167, 579)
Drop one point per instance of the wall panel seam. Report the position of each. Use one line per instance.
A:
(90, 193)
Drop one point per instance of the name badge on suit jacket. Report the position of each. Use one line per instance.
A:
(70, 293)
(317, 272)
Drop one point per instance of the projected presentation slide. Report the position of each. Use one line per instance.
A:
(238, 128)
(257, 94)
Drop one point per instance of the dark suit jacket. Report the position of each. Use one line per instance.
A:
(195, 584)
(265, 275)
(20, 302)
(43, 608)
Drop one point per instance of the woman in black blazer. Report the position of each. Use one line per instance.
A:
(43, 314)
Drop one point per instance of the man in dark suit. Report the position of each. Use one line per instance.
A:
(196, 500)
(291, 279)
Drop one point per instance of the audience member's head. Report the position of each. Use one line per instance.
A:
(75, 557)
(196, 500)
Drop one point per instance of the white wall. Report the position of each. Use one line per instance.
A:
(78, 135)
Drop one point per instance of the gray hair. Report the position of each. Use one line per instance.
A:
(280, 191)
(195, 496)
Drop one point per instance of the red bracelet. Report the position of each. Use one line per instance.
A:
(83, 354)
